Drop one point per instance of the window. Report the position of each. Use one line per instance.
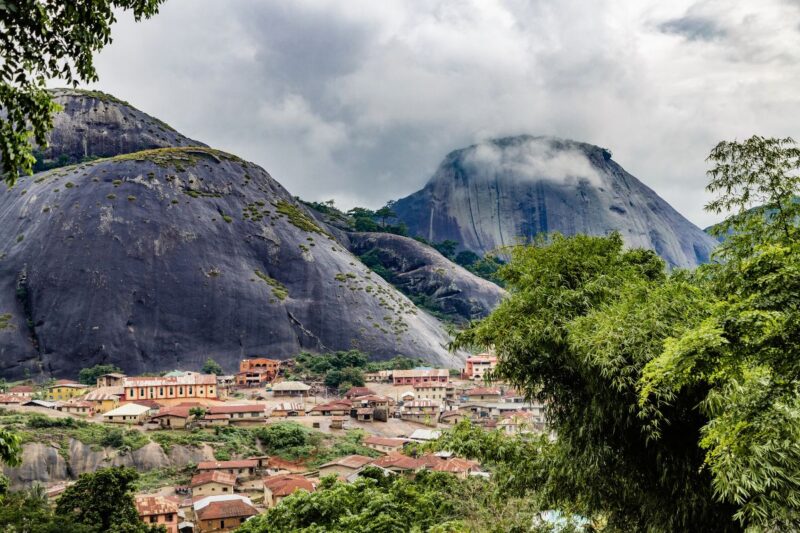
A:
(169, 517)
(224, 489)
(153, 519)
(180, 391)
(161, 391)
(221, 524)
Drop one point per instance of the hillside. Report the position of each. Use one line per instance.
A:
(505, 190)
(161, 258)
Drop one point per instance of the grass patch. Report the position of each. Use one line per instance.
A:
(5, 321)
(298, 218)
(279, 290)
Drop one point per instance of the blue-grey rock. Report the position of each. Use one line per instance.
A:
(505, 191)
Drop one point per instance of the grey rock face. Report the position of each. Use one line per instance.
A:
(421, 271)
(508, 190)
(160, 259)
(92, 124)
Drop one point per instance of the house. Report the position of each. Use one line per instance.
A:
(280, 486)
(483, 394)
(513, 396)
(157, 510)
(175, 417)
(384, 444)
(344, 466)
(436, 391)
(210, 482)
(76, 407)
(243, 467)
(213, 420)
(9, 399)
(23, 391)
(114, 379)
(130, 413)
(365, 414)
(104, 399)
(39, 403)
(399, 463)
(454, 416)
(478, 367)
(290, 388)
(425, 435)
(458, 466)
(222, 513)
(253, 413)
(188, 385)
(337, 422)
(373, 400)
(254, 372)
(285, 409)
(64, 389)
(381, 376)
(407, 397)
(354, 392)
(335, 408)
(420, 375)
(520, 423)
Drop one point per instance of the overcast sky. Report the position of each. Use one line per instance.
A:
(359, 100)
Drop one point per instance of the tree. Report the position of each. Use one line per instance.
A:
(745, 353)
(211, 367)
(44, 39)
(198, 412)
(386, 212)
(88, 376)
(29, 511)
(104, 500)
(447, 247)
(583, 318)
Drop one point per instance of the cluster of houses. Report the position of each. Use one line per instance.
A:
(223, 494)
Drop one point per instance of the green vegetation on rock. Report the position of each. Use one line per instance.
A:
(279, 290)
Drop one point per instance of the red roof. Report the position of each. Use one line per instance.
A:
(215, 476)
(285, 484)
(483, 391)
(243, 408)
(226, 509)
(333, 406)
(399, 460)
(456, 465)
(6, 398)
(147, 505)
(221, 465)
(67, 382)
(358, 391)
(21, 388)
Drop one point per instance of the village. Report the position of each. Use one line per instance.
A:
(395, 409)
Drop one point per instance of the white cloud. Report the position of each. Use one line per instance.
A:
(359, 100)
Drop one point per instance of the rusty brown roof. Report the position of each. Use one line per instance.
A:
(226, 509)
(285, 484)
(147, 505)
(350, 461)
(221, 465)
(213, 476)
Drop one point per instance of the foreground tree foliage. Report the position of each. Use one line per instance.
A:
(99, 502)
(674, 396)
(432, 502)
(44, 39)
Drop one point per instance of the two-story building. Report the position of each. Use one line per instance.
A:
(65, 389)
(157, 510)
(186, 386)
(478, 367)
(440, 392)
(420, 375)
(257, 371)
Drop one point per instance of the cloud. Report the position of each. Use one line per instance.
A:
(360, 100)
(533, 160)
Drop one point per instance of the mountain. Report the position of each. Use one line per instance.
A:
(427, 277)
(93, 124)
(161, 258)
(501, 191)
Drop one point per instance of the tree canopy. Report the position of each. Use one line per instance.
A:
(48, 39)
(673, 395)
(212, 367)
(88, 376)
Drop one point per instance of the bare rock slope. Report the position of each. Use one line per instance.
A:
(508, 190)
(162, 258)
(427, 276)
